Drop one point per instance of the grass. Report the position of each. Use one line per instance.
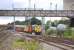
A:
(69, 33)
(26, 44)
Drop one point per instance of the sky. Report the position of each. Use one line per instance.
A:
(39, 4)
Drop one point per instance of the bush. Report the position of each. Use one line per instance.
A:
(26, 45)
(68, 33)
(50, 31)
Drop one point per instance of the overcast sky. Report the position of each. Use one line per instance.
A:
(41, 4)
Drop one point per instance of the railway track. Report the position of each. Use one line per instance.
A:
(50, 42)
(60, 45)
(3, 33)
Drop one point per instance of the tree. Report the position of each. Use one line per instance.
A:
(67, 22)
(35, 21)
(54, 23)
(32, 21)
(47, 25)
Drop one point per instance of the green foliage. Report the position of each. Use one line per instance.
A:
(50, 31)
(48, 22)
(35, 21)
(31, 21)
(47, 25)
(26, 44)
(68, 33)
(19, 40)
(53, 24)
(64, 22)
(19, 23)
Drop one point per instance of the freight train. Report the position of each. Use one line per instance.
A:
(37, 29)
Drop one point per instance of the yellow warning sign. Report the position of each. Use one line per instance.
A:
(37, 28)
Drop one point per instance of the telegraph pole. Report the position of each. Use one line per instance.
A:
(50, 9)
(13, 16)
(29, 6)
(50, 5)
(56, 9)
(43, 25)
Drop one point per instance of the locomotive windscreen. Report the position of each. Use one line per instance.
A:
(71, 22)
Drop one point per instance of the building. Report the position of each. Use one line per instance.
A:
(68, 4)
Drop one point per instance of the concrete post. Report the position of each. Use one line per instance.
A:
(43, 25)
(14, 24)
